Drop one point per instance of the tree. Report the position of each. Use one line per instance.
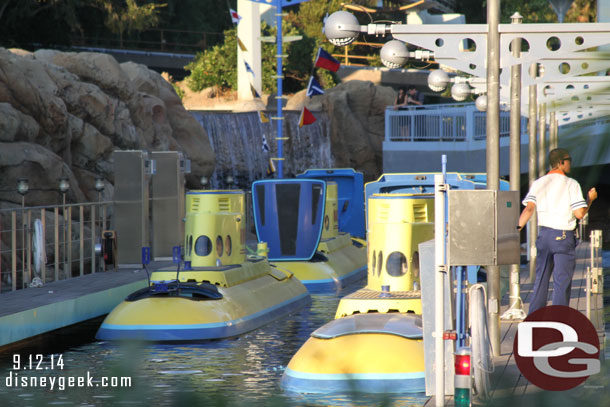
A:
(129, 18)
(218, 66)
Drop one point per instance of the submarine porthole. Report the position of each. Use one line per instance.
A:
(379, 262)
(203, 246)
(396, 264)
(373, 262)
(228, 245)
(219, 246)
(190, 245)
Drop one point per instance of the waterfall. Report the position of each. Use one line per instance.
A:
(237, 140)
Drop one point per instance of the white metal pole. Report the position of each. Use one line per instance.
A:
(493, 158)
(440, 268)
(249, 33)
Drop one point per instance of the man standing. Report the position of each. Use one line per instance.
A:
(558, 201)
(414, 97)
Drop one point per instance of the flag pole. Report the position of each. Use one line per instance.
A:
(280, 116)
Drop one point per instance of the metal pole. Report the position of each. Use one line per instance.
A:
(64, 233)
(515, 310)
(493, 158)
(554, 136)
(23, 279)
(542, 164)
(439, 301)
(280, 117)
(532, 230)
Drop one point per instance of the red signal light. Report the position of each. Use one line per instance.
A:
(462, 365)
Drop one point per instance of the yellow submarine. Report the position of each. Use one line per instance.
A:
(219, 293)
(338, 257)
(375, 342)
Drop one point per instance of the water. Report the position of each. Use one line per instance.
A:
(242, 371)
(237, 140)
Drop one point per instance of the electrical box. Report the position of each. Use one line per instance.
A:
(168, 208)
(483, 228)
(132, 172)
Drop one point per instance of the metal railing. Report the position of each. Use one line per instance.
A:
(51, 242)
(156, 39)
(442, 122)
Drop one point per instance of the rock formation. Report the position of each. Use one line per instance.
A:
(63, 114)
(356, 110)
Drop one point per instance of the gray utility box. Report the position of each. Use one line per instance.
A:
(132, 171)
(483, 228)
(168, 202)
(428, 299)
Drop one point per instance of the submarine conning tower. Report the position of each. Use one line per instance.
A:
(215, 229)
(397, 224)
(330, 227)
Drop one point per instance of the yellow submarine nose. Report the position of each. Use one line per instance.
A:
(215, 230)
(397, 224)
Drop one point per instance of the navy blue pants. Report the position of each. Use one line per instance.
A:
(556, 256)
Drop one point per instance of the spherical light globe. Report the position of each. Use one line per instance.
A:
(394, 54)
(481, 103)
(438, 80)
(460, 91)
(337, 28)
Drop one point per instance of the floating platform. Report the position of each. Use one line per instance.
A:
(31, 312)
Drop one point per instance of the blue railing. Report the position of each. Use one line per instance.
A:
(443, 122)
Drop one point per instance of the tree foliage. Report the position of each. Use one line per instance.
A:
(131, 17)
(217, 66)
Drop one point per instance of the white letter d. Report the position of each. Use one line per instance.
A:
(525, 343)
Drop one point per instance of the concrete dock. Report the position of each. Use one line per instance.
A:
(31, 312)
(510, 388)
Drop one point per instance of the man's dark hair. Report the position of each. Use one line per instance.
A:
(411, 87)
(557, 155)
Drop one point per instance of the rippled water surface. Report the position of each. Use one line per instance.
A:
(241, 371)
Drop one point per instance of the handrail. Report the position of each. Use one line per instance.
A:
(449, 122)
(70, 244)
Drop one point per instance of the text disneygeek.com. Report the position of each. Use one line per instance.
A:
(16, 380)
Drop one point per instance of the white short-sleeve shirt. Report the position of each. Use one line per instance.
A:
(556, 196)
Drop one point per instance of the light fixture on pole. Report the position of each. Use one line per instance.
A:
(394, 54)
(203, 181)
(229, 181)
(23, 187)
(64, 186)
(99, 187)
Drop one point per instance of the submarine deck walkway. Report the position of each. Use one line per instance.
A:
(26, 314)
(508, 386)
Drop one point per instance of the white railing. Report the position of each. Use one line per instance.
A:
(52, 242)
(443, 122)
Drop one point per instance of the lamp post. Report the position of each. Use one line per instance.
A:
(64, 186)
(99, 187)
(229, 181)
(23, 187)
(203, 181)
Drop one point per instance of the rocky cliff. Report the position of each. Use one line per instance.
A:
(63, 114)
